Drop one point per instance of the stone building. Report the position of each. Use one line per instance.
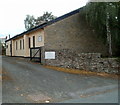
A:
(66, 32)
(59, 42)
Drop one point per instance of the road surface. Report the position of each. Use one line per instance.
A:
(28, 82)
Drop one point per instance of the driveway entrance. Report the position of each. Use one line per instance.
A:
(27, 82)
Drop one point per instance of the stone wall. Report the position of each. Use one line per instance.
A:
(84, 61)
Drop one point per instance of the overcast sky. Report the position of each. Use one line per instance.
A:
(13, 12)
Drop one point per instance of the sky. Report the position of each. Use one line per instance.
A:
(13, 12)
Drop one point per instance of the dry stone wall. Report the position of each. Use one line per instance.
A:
(84, 61)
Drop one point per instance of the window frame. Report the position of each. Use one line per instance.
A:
(40, 38)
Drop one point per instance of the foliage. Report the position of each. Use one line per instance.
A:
(104, 17)
(31, 21)
(2, 49)
(45, 18)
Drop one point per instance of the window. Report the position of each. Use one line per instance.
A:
(11, 48)
(16, 45)
(20, 44)
(33, 41)
(23, 43)
(29, 42)
(40, 38)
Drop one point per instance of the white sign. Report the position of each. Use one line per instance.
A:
(50, 55)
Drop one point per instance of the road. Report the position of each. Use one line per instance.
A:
(28, 82)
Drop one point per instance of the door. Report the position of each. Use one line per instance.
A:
(33, 41)
(11, 48)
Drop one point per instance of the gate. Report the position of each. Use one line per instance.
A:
(35, 54)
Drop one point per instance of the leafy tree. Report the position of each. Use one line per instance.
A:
(45, 18)
(105, 18)
(2, 49)
(31, 22)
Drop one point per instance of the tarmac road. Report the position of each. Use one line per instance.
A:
(27, 82)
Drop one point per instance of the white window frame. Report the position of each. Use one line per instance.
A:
(40, 38)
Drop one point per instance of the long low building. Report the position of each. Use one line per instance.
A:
(67, 33)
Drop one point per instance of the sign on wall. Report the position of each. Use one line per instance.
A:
(50, 55)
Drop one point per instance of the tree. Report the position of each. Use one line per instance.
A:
(45, 18)
(31, 22)
(2, 49)
(104, 17)
(108, 29)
